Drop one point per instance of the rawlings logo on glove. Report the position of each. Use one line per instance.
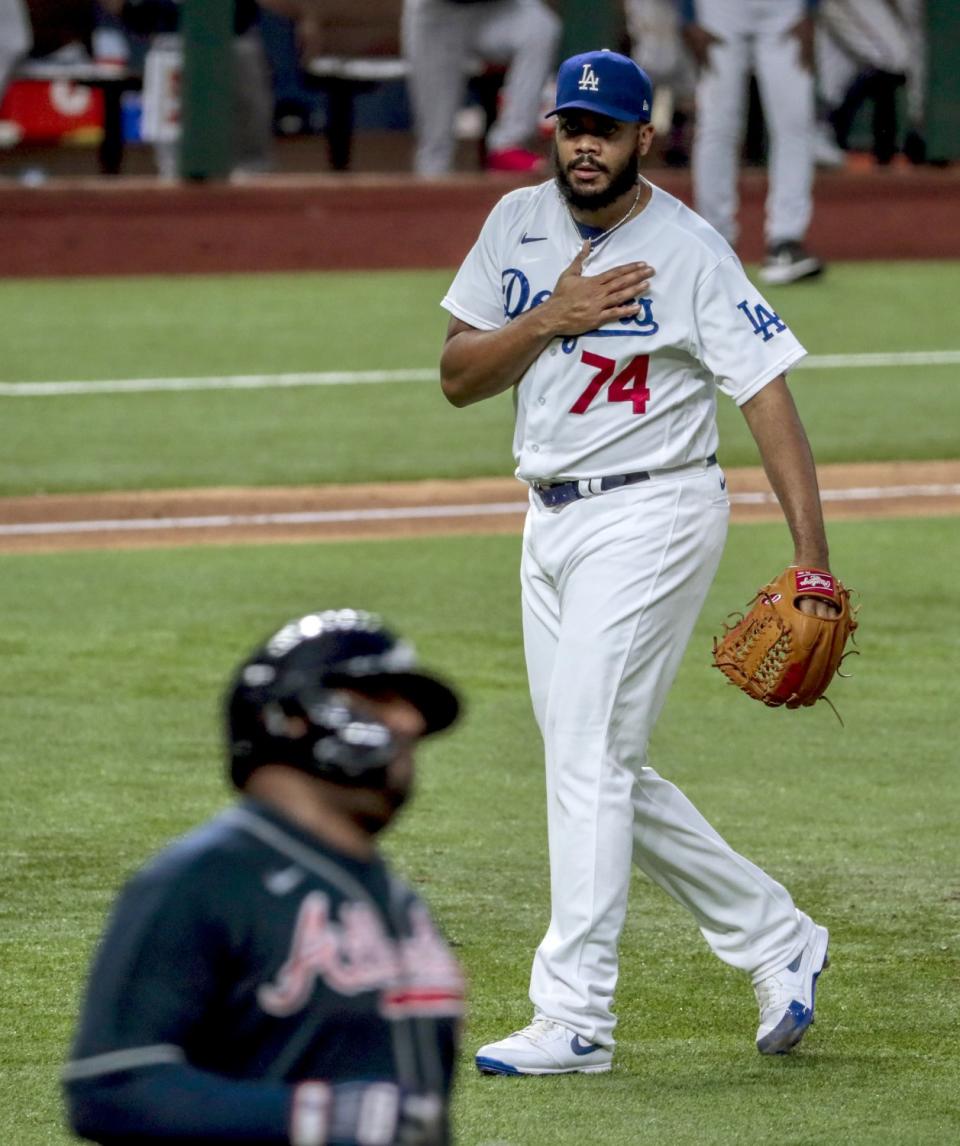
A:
(781, 655)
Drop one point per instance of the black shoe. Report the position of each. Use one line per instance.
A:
(788, 263)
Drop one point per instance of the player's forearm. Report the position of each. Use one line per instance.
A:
(478, 364)
(178, 1103)
(790, 469)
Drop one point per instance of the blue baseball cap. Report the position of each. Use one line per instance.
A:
(605, 83)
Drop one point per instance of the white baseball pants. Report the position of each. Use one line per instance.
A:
(755, 37)
(611, 588)
(439, 41)
(16, 38)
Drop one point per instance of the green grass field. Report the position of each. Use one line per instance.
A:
(111, 666)
(146, 328)
(111, 670)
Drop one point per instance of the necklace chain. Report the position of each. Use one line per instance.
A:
(609, 231)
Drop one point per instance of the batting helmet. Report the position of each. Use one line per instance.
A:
(283, 705)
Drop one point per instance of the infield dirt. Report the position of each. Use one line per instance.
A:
(49, 523)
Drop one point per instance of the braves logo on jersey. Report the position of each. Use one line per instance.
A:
(415, 975)
(518, 296)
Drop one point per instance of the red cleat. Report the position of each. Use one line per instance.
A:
(516, 159)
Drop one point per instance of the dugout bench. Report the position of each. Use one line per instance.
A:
(343, 78)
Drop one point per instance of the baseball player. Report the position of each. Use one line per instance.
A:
(616, 314)
(774, 39)
(266, 979)
(442, 39)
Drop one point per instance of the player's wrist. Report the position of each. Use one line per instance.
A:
(546, 320)
(347, 1112)
(310, 1114)
(818, 561)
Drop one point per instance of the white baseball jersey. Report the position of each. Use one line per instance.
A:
(638, 393)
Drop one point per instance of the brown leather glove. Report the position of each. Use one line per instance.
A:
(780, 654)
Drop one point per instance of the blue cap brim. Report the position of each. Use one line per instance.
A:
(618, 113)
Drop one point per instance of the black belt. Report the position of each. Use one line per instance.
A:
(553, 494)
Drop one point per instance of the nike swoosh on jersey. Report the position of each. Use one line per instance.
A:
(525, 238)
(284, 881)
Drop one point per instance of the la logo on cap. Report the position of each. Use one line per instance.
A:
(604, 83)
(588, 80)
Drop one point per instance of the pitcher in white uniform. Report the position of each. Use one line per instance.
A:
(616, 366)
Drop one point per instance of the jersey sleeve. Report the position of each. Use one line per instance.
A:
(739, 337)
(475, 295)
(151, 987)
(155, 970)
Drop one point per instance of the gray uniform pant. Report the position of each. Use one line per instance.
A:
(611, 589)
(754, 36)
(252, 105)
(441, 39)
(16, 38)
(858, 34)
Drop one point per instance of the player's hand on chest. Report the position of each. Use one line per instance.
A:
(598, 363)
(581, 299)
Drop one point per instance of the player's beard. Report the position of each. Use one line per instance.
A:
(620, 183)
(374, 807)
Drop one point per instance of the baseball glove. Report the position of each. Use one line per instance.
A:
(780, 655)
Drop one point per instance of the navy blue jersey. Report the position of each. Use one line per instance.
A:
(248, 957)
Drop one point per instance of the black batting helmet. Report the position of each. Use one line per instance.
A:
(283, 705)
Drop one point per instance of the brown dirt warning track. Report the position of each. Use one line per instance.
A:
(51, 523)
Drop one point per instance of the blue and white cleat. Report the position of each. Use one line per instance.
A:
(786, 998)
(543, 1047)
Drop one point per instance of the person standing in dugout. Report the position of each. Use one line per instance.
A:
(773, 39)
(615, 314)
(266, 979)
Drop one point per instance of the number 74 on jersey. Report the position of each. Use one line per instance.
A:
(629, 385)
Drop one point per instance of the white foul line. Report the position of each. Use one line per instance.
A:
(857, 493)
(893, 358)
(226, 382)
(360, 377)
(409, 513)
(233, 520)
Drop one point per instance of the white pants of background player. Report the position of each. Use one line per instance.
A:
(441, 40)
(612, 587)
(755, 38)
(853, 35)
(16, 38)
